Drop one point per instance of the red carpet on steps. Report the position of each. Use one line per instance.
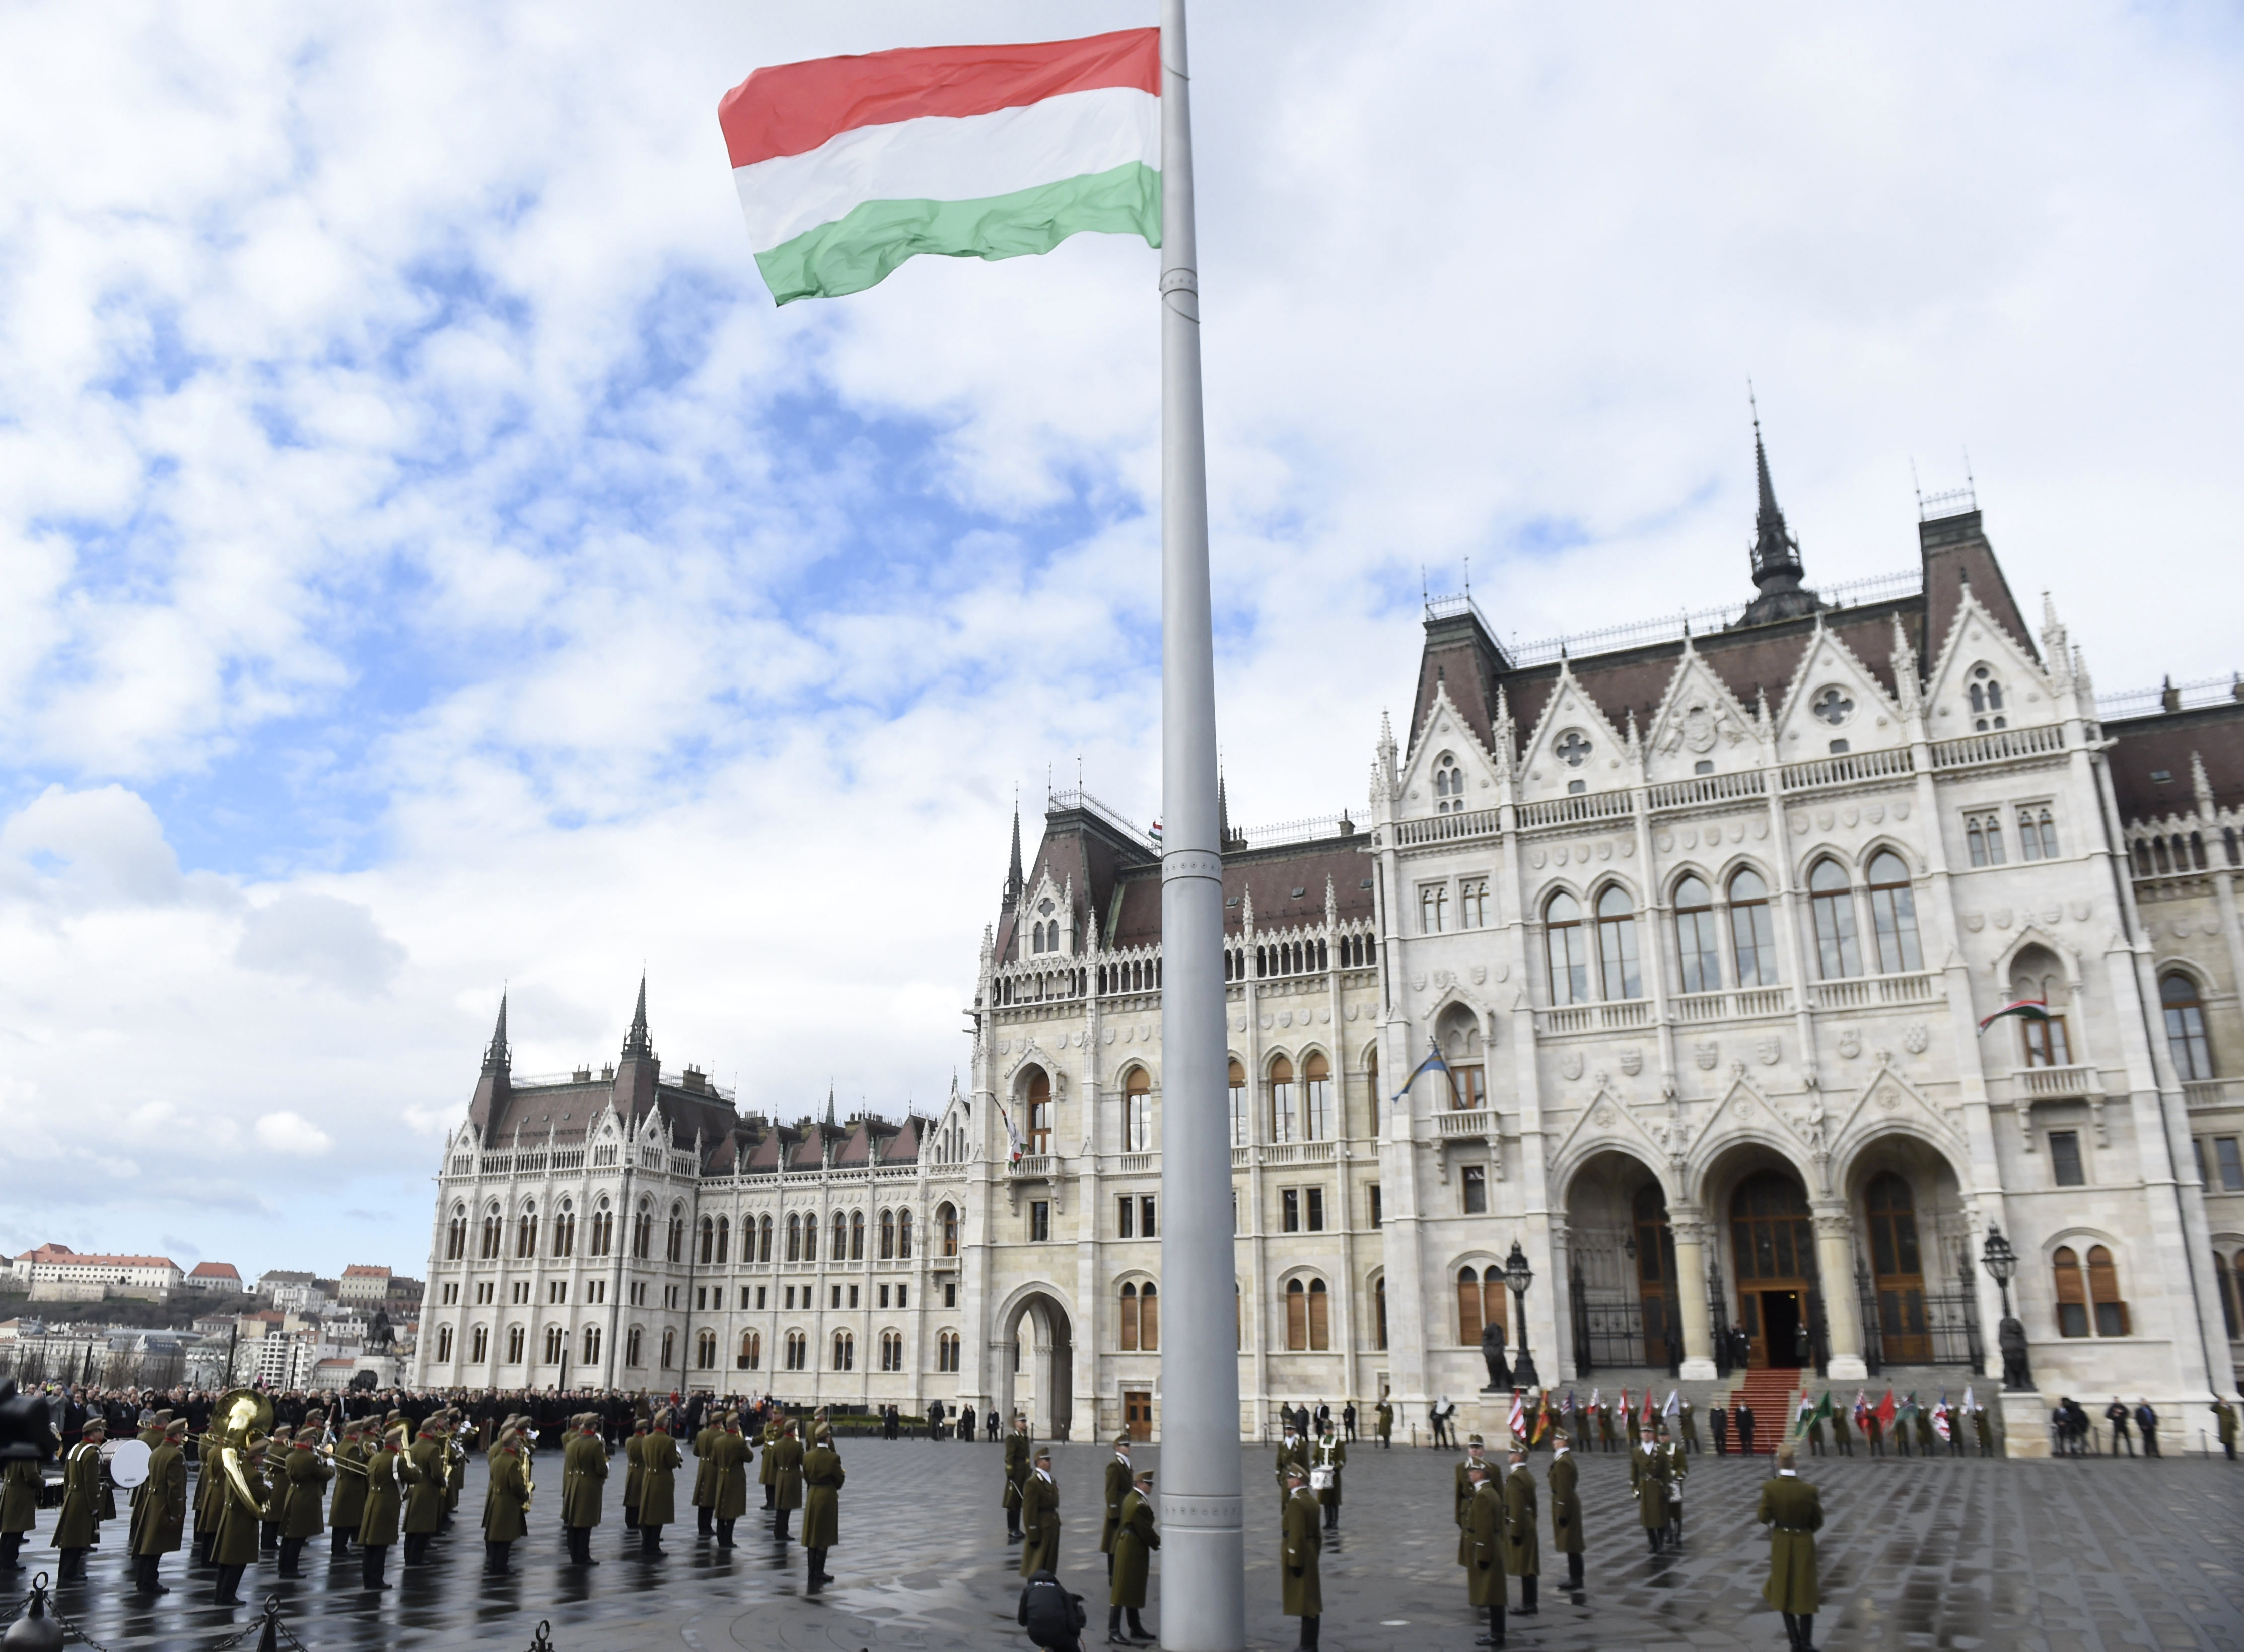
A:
(1774, 1393)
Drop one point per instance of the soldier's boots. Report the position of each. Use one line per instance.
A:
(1574, 1571)
(818, 1578)
(72, 1569)
(1527, 1607)
(341, 1541)
(704, 1519)
(292, 1549)
(11, 1544)
(372, 1559)
(1495, 1636)
(144, 1574)
(650, 1542)
(724, 1535)
(771, 1495)
(779, 1528)
(1138, 1629)
(229, 1576)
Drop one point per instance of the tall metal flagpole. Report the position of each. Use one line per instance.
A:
(1203, 1552)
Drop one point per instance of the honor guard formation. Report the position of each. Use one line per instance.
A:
(246, 1478)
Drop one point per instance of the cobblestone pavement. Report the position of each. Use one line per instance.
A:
(2067, 1556)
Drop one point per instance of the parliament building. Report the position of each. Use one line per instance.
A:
(1705, 920)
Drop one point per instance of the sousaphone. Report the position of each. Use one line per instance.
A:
(241, 1417)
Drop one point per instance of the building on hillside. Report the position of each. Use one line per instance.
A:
(273, 1278)
(55, 1273)
(362, 1284)
(1704, 918)
(219, 1278)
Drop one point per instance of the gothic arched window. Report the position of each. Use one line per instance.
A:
(1624, 974)
(1837, 948)
(1893, 911)
(1695, 946)
(2185, 1014)
(1570, 963)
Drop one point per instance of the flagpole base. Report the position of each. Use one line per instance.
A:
(1845, 1368)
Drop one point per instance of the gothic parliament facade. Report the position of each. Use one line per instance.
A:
(1704, 927)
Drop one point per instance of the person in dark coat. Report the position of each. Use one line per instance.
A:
(1300, 1547)
(160, 1515)
(1566, 1509)
(1718, 1420)
(1134, 1541)
(1053, 1618)
(1745, 1428)
(1040, 1520)
(2146, 1421)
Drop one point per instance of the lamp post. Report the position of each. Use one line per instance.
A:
(1519, 1275)
(2001, 1263)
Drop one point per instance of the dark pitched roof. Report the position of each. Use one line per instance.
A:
(2163, 743)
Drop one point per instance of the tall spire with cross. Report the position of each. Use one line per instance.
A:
(1013, 877)
(498, 1057)
(636, 1042)
(1776, 565)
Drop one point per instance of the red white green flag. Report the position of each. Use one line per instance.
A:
(2023, 1009)
(847, 166)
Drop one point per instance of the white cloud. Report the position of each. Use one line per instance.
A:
(291, 1132)
(320, 938)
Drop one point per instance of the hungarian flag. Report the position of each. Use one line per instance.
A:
(1620, 1405)
(1517, 1421)
(1012, 1136)
(2023, 1009)
(1886, 1413)
(1940, 1417)
(847, 166)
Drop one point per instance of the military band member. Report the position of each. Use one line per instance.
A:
(458, 1433)
(764, 1471)
(242, 1510)
(278, 1444)
(1793, 1511)
(1328, 1455)
(822, 1505)
(1301, 1546)
(1293, 1452)
(704, 1503)
(728, 1477)
(506, 1504)
(1566, 1507)
(786, 1460)
(1385, 1413)
(19, 1507)
(1461, 1495)
(303, 1514)
(1118, 1487)
(1018, 1468)
(1134, 1541)
(425, 1490)
(385, 1499)
(1483, 1545)
(350, 1487)
(657, 1487)
(1672, 1454)
(583, 1484)
(77, 1528)
(1040, 1521)
(159, 1509)
(1523, 1544)
(208, 1503)
(1647, 1478)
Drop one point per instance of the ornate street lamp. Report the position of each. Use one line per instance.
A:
(2001, 1263)
(1519, 1275)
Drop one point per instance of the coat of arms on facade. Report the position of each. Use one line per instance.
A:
(1570, 1065)
(1706, 1052)
(1768, 1047)
(1916, 1039)
(1851, 1044)
(1632, 1062)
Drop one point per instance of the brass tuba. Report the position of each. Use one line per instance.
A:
(241, 1415)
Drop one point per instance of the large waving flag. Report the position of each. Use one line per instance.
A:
(1433, 1063)
(847, 166)
(2023, 1009)
(1886, 1413)
(1012, 1136)
(1940, 1416)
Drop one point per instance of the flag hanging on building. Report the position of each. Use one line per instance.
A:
(2023, 1009)
(1434, 1063)
(847, 166)
(1012, 1136)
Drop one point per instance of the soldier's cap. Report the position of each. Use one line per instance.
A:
(396, 1435)
(176, 1425)
(93, 1425)
(1518, 1447)
(512, 1437)
(1559, 1436)
(1475, 1439)
(283, 1433)
(1122, 1442)
(825, 1436)
(1483, 1470)
(1143, 1476)
(640, 1424)
(1295, 1471)
(1786, 1456)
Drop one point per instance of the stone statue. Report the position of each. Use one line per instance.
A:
(379, 1335)
(1491, 1349)
(2011, 1337)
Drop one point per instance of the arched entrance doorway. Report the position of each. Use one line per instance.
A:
(1036, 1364)
(1622, 1279)
(1773, 1243)
(1916, 1283)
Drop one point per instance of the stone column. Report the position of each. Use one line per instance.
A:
(1834, 1261)
(1689, 1228)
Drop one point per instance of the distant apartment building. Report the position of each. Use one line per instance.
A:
(361, 1283)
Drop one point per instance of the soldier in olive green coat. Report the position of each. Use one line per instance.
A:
(786, 1460)
(634, 1473)
(303, 1514)
(764, 1471)
(1017, 1462)
(1794, 1512)
(242, 1509)
(424, 1495)
(1385, 1413)
(2224, 1423)
(583, 1487)
(821, 1507)
(159, 1510)
(658, 1491)
(1647, 1478)
(1484, 1586)
(1118, 1487)
(1040, 1520)
(1670, 1454)
(506, 1504)
(1134, 1541)
(1566, 1507)
(19, 1508)
(77, 1528)
(1301, 1543)
(728, 1478)
(1522, 1543)
(1461, 1496)
(704, 1503)
(385, 1501)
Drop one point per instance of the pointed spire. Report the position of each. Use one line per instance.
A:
(1222, 809)
(636, 1042)
(829, 1108)
(1776, 567)
(1013, 877)
(498, 1057)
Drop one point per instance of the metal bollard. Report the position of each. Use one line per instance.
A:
(270, 1640)
(35, 1631)
(543, 1641)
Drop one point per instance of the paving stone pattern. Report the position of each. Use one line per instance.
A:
(2067, 1556)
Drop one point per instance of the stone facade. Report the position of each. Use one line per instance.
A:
(1703, 929)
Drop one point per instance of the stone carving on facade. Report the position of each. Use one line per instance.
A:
(1916, 1037)
(1631, 1061)
(1768, 1049)
(1975, 921)
(1706, 1052)
(1570, 1064)
(1850, 1043)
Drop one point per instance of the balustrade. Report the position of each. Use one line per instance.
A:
(2051, 1083)
(2001, 745)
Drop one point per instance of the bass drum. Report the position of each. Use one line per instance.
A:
(127, 1460)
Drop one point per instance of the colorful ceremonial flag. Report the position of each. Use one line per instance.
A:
(1012, 1136)
(1594, 1393)
(1672, 1407)
(1862, 1410)
(1542, 1420)
(847, 166)
(1566, 1406)
(1940, 1417)
(1433, 1060)
(1810, 1416)
(2023, 1009)
(1967, 1398)
(1885, 1411)
(1909, 1407)
(1650, 1416)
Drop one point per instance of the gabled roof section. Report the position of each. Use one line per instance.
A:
(1085, 849)
(2164, 744)
(1461, 659)
(1956, 554)
(1268, 877)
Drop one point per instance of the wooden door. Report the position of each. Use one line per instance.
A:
(1138, 1413)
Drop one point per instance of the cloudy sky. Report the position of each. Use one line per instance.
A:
(431, 563)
